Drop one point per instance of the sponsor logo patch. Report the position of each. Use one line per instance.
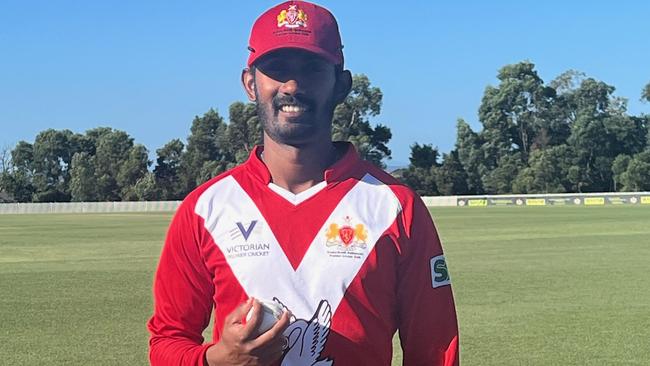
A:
(439, 272)
(243, 229)
(239, 248)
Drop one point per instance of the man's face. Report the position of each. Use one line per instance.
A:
(295, 96)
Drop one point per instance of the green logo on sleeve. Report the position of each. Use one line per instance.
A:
(439, 272)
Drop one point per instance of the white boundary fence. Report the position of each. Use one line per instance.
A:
(580, 199)
(88, 207)
(558, 199)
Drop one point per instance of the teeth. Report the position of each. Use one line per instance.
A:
(291, 109)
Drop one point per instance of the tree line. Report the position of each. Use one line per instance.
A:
(570, 135)
(104, 164)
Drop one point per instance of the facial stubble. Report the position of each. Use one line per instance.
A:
(294, 133)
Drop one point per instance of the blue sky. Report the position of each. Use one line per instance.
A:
(148, 67)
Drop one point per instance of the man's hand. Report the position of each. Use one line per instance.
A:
(240, 345)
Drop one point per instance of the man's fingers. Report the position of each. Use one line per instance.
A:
(275, 333)
(252, 323)
(281, 325)
(240, 312)
(271, 355)
(273, 351)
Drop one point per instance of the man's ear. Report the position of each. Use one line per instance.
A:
(343, 86)
(248, 81)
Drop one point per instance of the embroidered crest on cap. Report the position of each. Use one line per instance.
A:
(292, 18)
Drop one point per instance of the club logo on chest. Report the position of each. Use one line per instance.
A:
(346, 238)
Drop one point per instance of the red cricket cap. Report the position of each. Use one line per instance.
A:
(296, 24)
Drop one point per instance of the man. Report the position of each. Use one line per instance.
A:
(350, 253)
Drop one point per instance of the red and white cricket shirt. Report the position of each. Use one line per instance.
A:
(354, 258)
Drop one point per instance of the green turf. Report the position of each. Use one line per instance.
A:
(76, 289)
(533, 285)
(550, 285)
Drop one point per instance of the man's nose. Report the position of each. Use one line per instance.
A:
(290, 87)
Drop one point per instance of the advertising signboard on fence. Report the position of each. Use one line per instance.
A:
(586, 199)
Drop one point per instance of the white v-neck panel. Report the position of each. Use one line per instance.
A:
(296, 199)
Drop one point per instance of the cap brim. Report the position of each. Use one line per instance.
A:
(254, 56)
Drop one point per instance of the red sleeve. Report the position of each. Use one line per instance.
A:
(183, 293)
(428, 328)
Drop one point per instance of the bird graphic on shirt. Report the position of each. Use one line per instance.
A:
(307, 338)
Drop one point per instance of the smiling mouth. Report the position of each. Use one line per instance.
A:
(293, 108)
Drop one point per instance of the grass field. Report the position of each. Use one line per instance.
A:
(533, 285)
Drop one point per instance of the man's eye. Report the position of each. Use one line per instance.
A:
(275, 66)
(316, 67)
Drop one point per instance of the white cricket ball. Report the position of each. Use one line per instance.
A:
(271, 313)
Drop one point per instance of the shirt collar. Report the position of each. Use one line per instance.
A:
(343, 168)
